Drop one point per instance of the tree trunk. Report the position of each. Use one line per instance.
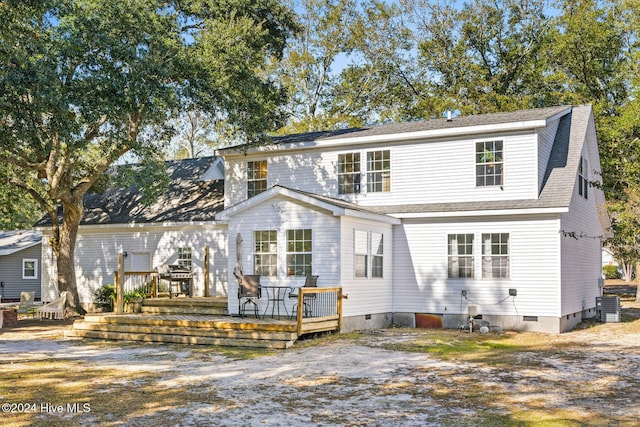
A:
(637, 282)
(72, 214)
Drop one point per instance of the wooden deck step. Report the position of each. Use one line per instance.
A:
(211, 306)
(188, 329)
(180, 339)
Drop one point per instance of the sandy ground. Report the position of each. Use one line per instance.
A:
(344, 382)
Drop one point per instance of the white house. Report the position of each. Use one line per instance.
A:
(416, 219)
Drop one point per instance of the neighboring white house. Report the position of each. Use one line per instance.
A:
(494, 211)
(20, 252)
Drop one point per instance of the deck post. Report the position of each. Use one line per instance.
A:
(300, 310)
(207, 291)
(339, 309)
(119, 279)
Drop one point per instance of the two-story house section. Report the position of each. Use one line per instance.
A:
(494, 214)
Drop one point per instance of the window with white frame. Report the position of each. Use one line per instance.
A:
(265, 253)
(299, 252)
(256, 177)
(583, 178)
(361, 253)
(349, 173)
(378, 171)
(460, 256)
(184, 257)
(29, 268)
(489, 163)
(495, 256)
(377, 255)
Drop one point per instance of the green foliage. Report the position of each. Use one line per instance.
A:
(85, 82)
(104, 297)
(610, 271)
(135, 294)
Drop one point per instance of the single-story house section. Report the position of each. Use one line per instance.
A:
(172, 231)
(20, 264)
(492, 215)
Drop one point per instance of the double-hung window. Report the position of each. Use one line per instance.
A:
(256, 177)
(368, 254)
(583, 178)
(361, 253)
(265, 253)
(495, 255)
(377, 255)
(378, 171)
(460, 256)
(184, 257)
(349, 173)
(299, 252)
(29, 268)
(489, 163)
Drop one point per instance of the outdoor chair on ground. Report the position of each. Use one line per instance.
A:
(27, 306)
(307, 298)
(54, 309)
(249, 289)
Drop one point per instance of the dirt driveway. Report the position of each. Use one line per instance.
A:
(396, 377)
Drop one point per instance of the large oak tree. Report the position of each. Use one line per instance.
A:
(84, 82)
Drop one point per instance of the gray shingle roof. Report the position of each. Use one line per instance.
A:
(422, 125)
(187, 199)
(17, 240)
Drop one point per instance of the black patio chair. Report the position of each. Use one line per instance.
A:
(249, 289)
(307, 298)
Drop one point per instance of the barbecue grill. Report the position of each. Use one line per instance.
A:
(180, 280)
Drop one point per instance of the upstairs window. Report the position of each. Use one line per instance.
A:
(256, 177)
(265, 253)
(378, 171)
(299, 250)
(495, 256)
(29, 268)
(184, 257)
(460, 256)
(489, 163)
(583, 178)
(349, 173)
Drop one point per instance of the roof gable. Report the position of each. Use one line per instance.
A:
(334, 206)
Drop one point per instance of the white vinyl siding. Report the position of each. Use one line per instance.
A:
(421, 260)
(366, 295)
(97, 252)
(438, 171)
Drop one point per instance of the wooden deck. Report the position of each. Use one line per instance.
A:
(199, 321)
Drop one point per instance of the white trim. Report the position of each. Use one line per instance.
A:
(501, 212)
(35, 268)
(136, 225)
(294, 195)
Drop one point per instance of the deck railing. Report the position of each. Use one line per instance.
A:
(144, 281)
(319, 309)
